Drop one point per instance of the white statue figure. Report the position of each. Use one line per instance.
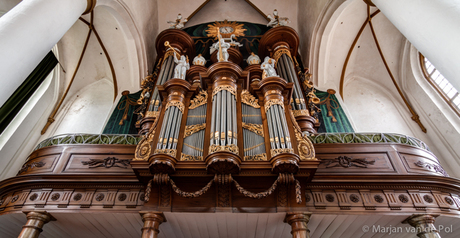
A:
(178, 24)
(232, 42)
(253, 59)
(276, 20)
(269, 68)
(181, 67)
(223, 52)
(199, 60)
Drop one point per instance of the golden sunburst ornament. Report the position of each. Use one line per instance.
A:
(226, 29)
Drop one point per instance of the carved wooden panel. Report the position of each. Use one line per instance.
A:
(332, 163)
(42, 164)
(90, 163)
(421, 163)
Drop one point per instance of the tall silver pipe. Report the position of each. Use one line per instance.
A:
(163, 126)
(285, 127)
(213, 119)
(274, 110)
(234, 129)
(168, 127)
(176, 132)
(218, 118)
(223, 120)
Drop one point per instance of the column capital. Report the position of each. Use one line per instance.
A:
(424, 224)
(90, 6)
(43, 216)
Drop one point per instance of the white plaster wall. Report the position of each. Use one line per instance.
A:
(88, 110)
(373, 109)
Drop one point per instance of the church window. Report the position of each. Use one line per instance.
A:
(441, 84)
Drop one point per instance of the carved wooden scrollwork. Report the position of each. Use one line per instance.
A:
(144, 148)
(108, 162)
(272, 102)
(199, 100)
(248, 99)
(276, 152)
(258, 157)
(31, 166)
(171, 152)
(256, 128)
(347, 162)
(304, 145)
(228, 88)
(185, 157)
(229, 148)
(189, 130)
(177, 104)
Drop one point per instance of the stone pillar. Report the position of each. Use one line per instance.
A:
(432, 27)
(298, 222)
(35, 223)
(152, 221)
(28, 32)
(424, 225)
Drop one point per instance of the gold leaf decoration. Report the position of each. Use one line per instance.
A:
(258, 157)
(170, 152)
(185, 157)
(302, 112)
(238, 29)
(199, 100)
(256, 128)
(229, 88)
(272, 102)
(189, 130)
(304, 145)
(276, 152)
(229, 148)
(177, 104)
(248, 99)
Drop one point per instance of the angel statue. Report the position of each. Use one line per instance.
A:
(222, 47)
(269, 68)
(181, 67)
(276, 20)
(178, 24)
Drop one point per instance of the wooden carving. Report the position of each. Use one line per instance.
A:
(248, 99)
(108, 162)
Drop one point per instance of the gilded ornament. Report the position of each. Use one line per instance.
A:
(256, 128)
(152, 114)
(302, 112)
(229, 148)
(228, 88)
(272, 102)
(185, 157)
(171, 152)
(177, 104)
(248, 99)
(189, 130)
(276, 152)
(258, 157)
(280, 52)
(226, 29)
(199, 100)
(304, 145)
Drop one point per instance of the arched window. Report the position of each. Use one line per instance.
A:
(441, 84)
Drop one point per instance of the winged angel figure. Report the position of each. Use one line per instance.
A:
(276, 20)
(178, 23)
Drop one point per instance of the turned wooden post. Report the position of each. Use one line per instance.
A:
(298, 222)
(34, 224)
(152, 221)
(424, 225)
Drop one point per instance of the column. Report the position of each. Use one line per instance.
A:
(35, 223)
(432, 27)
(152, 221)
(27, 34)
(424, 225)
(298, 222)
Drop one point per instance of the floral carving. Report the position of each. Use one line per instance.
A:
(330, 198)
(258, 157)
(276, 152)
(199, 100)
(55, 196)
(449, 200)
(403, 198)
(77, 197)
(31, 166)
(378, 198)
(177, 104)
(122, 197)
(228, 88)
(428, 198)
(108, 162)
(272, 102)
(170, 152)
(354, 198)
(302, 112)
(100, 197)
(435, 167)
(229, 148)
(346, 162)
(248, 99)
(185, 157)
(33, 197)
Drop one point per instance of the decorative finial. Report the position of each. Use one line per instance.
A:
(276, 20)
(178, 23)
